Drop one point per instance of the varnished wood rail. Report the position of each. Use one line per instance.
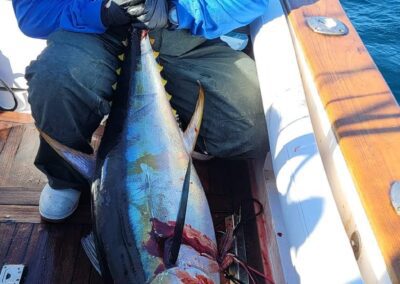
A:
(16, 117)
(364, 120)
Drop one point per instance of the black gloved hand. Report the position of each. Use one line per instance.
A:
(145, 14)
(115, 12)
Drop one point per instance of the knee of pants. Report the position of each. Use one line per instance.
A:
(244, 138)
(44, 92)
(62, 107)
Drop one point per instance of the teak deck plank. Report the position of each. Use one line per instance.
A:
(6, 237)
(364, 115)
(82, 267)
(17, 156)
(19, 244)
(19, 195)
(4, 132)
(9, 151)
(64, 250)
(30, 214)
(33, 259)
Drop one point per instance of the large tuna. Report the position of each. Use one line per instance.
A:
(137, 179)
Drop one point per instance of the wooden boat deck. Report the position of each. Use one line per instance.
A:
(52, 252)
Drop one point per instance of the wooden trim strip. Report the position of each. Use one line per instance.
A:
(17, 117)
(363, 113)
(19, 195)
(30, 214)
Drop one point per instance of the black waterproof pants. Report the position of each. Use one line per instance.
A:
(70, 90)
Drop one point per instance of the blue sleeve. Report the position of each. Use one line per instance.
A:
(213, 18)
(39, 18)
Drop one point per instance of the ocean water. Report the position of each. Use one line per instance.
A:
(378, 24)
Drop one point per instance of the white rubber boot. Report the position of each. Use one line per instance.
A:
(55, 205)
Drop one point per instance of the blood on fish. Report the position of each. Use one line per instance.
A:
(186, 278)
(204, 279)
(162, 231)
(160, 268)
(190, 237)
(154, 245)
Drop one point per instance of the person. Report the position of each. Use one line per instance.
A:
(70, 83)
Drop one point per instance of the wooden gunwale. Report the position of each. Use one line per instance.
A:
(363, 114)
(16, 117)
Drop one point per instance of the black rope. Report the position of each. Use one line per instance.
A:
(259, 212)
(11, 91)
(232, 278)
(241, 221)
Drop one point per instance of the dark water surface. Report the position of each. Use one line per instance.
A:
(378, 23)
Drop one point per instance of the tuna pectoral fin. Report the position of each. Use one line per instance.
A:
(83, 163)
(193, 128)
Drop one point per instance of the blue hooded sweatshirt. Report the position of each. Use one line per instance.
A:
(208, 18)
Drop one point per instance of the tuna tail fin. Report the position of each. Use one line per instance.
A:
(83, 163)
(193, 128)
(90, 250)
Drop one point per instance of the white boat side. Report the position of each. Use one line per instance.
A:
(315, 238)
(16, 51)
(369, 257)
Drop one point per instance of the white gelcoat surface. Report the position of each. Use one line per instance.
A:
(371, 263)
(16, 51)
(320, 251)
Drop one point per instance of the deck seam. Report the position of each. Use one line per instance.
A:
(76, 255)
(11, 240)
(28, 241)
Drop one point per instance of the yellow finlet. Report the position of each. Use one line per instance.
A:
(118, 71)
(121, 56)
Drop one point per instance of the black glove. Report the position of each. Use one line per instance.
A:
(145, 14)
